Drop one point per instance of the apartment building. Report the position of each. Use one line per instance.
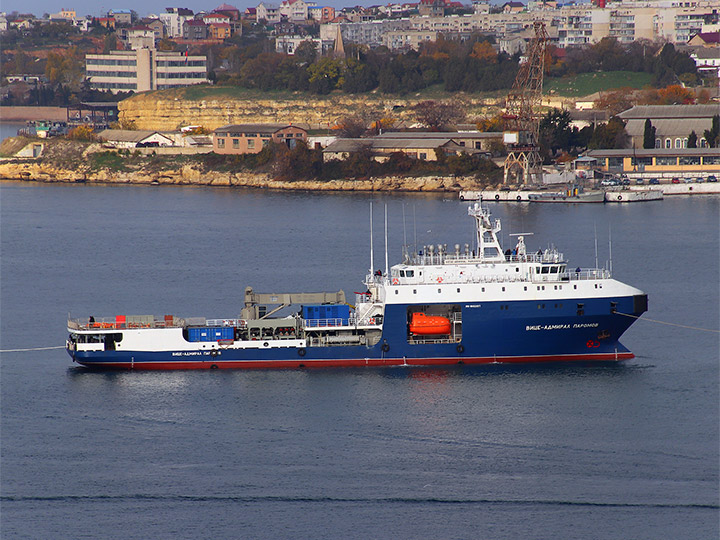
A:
(173, 19)
(144, 69)
(408, 39)
(365, 33)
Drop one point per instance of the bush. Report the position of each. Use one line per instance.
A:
(82, 133)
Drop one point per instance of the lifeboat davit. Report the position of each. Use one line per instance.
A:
(426, 325)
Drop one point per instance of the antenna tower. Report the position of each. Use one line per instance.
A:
(522, 124)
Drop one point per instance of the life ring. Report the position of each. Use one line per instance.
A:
(519, 198)
(439, 279)
(497, 197)
(213, 366)
(619, 197)
(395, 281)
(266, 344)
(460, 349)
(385, 347)
(301, 351)
(462, 197)
(372, 320)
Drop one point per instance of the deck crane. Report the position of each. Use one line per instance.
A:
(522, 124)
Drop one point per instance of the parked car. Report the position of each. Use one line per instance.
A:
(654, 181)
(607, 183)
(700, 180)
(688, 180)
(626, 181)
(639, 181)
(712, 178)
(675, 180)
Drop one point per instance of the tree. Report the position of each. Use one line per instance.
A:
(484, 51)
(692, 139)
(65, 68)
(496, 123)
(352, 126)
(712, 135)
(649, 135)
(325, 75)
(676, 95)
(435, 115)
(306, 52)
(109, 43)
(615, 101)
(555, 131)
(610, 135)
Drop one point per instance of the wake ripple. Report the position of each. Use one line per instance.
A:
(343, 500)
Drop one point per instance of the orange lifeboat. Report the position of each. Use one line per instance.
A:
(425, 325)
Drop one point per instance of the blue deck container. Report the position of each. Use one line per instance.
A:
(210, 334)
(327, 312)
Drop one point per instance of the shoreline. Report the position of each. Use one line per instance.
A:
(29, 171)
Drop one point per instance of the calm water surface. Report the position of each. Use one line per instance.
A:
(9, 129)
(587, 451)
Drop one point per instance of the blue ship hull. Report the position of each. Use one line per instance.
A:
(493, 332)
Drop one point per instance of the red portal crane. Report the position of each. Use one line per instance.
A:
(522, 123)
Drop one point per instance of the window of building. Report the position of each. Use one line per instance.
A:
(642, 161)
(668, 143)
(666, 160)
(236, 143)
(678, 143)
(221, 143)
(615, 162)
(689, 160)
(423, 155)
(251, 143)
(658, 143)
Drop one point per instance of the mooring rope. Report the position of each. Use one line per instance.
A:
(670, 324)
(32, 349)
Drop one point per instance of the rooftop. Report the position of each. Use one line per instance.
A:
(670, 111)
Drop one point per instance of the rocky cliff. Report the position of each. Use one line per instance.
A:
(32, 170)
(212, 108)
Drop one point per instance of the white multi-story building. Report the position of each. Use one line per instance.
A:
(144, 69)
(366, 33)
(288, 44)
(270, 13)
(173, 19)
(296, 10)
(408, 39)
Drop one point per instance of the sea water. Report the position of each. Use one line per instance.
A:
(581, 451)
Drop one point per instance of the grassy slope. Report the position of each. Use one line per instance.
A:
(588, 83)
(572, 86)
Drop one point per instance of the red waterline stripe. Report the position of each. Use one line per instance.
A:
(358, 362)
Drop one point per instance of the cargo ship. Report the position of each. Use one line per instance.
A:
(439, 306)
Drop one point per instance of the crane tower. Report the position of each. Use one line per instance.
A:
(522, 125)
